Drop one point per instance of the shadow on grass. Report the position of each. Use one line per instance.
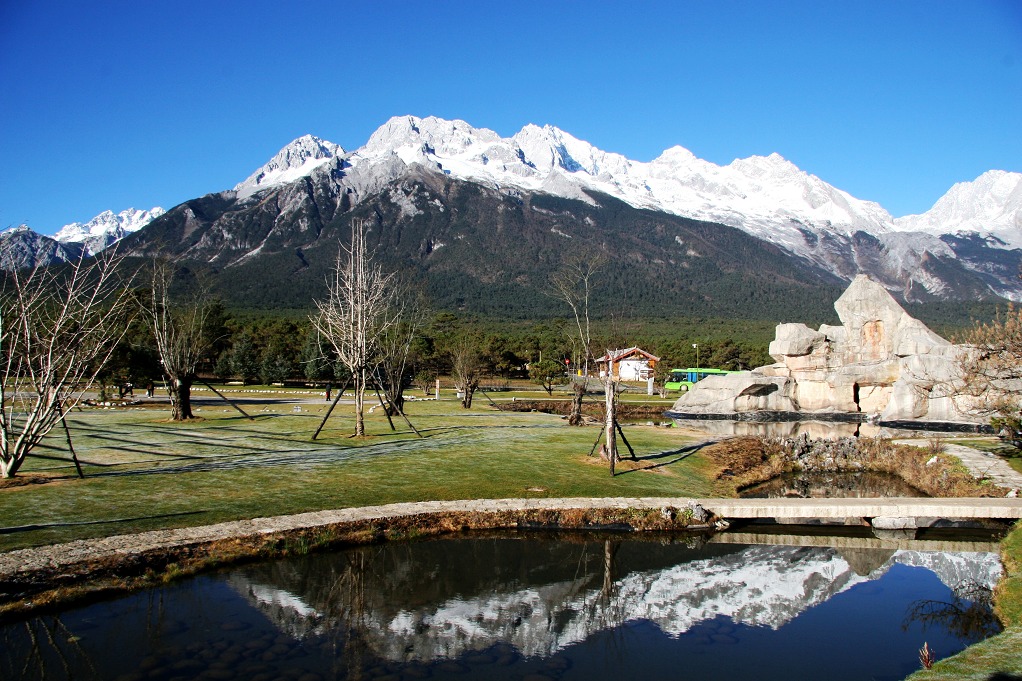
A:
(44, 526)
(681, 455)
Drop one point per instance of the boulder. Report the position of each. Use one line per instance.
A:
(880, 361)
(794, 340)
(744, 391)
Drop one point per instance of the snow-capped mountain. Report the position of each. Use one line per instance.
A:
(297, 159)
(106, 228)
(990, 206)
(968, 246)
(765, 196)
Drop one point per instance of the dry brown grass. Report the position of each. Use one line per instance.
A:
(744, 461)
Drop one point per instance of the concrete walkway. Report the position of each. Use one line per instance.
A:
(63, 555)
(986, 465)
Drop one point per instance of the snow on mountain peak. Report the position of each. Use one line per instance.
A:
(990, 205)
(106, 228)
(766, 196)
(428, 135)
(297, 159)
(761, 194)
(676, 155)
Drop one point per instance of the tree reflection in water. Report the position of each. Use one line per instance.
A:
(567, 607)
(969, 615)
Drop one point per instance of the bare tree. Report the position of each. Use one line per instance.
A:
(467, 366)
(183, 332)
(356, 314)
(58, 327)
(574, 284)
(990, 369)
(409, 314)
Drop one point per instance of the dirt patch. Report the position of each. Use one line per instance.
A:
(24, 479)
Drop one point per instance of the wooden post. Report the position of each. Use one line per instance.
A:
(399, 410)
(329, 411)
(67, 434)
(386, 410)
(228, 401)
(625, 440)
(489, 398)
(598, 438)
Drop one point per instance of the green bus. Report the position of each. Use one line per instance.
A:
(683, 379)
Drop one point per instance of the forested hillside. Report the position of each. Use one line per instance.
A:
(479, 251)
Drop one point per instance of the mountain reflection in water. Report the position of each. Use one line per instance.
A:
(565, 607)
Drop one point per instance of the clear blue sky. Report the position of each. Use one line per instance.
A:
(110, 105)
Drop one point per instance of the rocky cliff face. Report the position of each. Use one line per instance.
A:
(878, 362)
(21, 248)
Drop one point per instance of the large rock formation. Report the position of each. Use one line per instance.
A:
(880, 362)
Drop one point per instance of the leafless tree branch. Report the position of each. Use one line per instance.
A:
(58, 328)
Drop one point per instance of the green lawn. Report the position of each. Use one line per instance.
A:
(143, 472)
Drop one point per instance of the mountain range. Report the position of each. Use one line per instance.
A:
(483, 219)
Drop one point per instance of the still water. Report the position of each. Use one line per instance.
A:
(832, 485)
(536, 607)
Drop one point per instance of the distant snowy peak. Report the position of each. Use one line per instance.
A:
(990, 205)
(107, 227)
(766, 196)
(761, 194)
(297, 159)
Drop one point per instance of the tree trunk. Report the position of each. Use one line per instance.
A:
(359, 380)
(466, 401)
(575, 416)
(610, 423)
(181, 398)
(9, 466)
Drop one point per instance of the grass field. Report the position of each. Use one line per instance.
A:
(144, 472)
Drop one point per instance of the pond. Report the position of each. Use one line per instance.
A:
(537, 607)
(832, 485)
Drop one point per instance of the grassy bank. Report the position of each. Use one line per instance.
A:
(144, 473)
(998, 657)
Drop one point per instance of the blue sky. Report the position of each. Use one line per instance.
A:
(110, 105)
